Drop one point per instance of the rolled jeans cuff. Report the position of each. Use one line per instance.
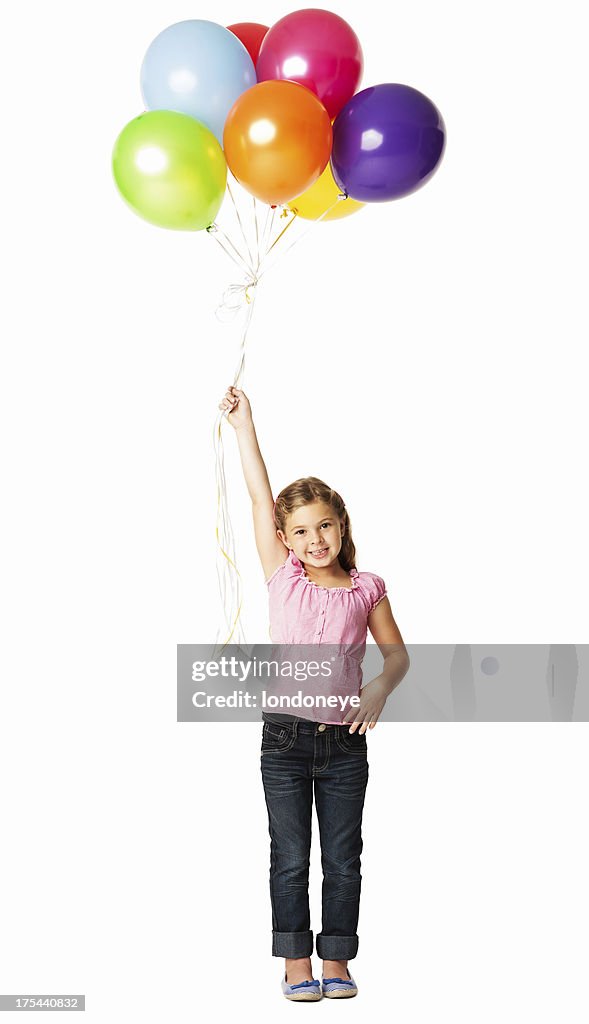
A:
(336, 947)
(292, 945)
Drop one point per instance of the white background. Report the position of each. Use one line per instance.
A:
(426, 358)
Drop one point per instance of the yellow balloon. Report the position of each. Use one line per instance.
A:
(323, 194)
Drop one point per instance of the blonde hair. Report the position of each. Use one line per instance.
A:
(305, 491)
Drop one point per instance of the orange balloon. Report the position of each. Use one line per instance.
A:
(277, 140)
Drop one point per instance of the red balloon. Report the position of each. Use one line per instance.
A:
(317, 49)
(251, 35)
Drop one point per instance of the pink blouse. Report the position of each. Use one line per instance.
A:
(303, 612)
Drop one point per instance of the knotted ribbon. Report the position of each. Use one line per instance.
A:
(235, 299)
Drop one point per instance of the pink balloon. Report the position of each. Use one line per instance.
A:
(317, 49)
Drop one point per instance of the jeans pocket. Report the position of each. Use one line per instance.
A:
(277, 738)
(351, 742)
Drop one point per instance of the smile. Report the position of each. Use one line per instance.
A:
(320, 553)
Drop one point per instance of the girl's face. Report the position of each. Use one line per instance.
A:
(314, 533)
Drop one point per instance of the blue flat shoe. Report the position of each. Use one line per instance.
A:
(305, 991)
(339, 988)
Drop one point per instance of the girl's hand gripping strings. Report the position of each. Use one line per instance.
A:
(239, 410)
(239, 414)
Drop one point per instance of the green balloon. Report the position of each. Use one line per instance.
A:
(170, 169)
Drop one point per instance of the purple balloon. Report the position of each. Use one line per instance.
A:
(387, 142)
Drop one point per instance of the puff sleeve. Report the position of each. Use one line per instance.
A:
(374, 589)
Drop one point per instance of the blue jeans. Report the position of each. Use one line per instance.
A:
(298, 758)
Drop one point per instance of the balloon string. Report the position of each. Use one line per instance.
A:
(283, 232)
(228, 575)
(214, 230)
(257, 231)
(223, 541)
(227, 581)
(268, 228)
(239, 221)
(342, 196)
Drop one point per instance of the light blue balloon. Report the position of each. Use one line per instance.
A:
(198, 68)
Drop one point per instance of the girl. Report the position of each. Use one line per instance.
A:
(317, 595)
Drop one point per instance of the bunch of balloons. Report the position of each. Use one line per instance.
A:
(278, 106)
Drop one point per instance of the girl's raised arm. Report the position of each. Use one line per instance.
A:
(272, 551)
